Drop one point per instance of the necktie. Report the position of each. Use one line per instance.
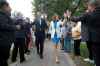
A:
(40, 21)
(40, 24)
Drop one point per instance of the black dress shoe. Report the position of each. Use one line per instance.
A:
(21, 61)
(38, 53)
(41, 56)
(62, 48)
(13, 60)
(27, 51)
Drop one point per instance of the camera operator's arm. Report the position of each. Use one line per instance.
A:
(81, 18)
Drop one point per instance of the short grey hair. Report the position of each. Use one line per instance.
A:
(94, 2)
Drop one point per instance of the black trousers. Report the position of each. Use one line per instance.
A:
(96, 52)
(89, 46)
(62, 43)
(18, 44)
(40, 44)
(4, 52)
(77, 47)
(48, 36)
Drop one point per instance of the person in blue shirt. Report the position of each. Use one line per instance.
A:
(55, 35)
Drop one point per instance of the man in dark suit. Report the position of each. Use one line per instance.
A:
(94, 28)
(85, 33)
(7, 29)
(93, 22)
(40, 27)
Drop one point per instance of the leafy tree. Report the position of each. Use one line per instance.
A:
(52, 7)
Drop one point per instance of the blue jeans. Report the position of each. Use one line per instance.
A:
(67, 44)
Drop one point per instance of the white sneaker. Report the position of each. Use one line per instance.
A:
(57, 60)
(87, 60)
(91, 61)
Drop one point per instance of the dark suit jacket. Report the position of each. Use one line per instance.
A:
(94, 25)
(40, 29)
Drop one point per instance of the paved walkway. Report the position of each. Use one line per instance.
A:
(34, 60)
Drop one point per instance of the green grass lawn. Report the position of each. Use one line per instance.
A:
(85, 54)
(84, 50)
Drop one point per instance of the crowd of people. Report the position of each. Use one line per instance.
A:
(64, 33)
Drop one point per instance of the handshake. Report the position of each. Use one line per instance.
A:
(18, 27)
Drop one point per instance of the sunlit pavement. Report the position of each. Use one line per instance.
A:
(49, 60)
